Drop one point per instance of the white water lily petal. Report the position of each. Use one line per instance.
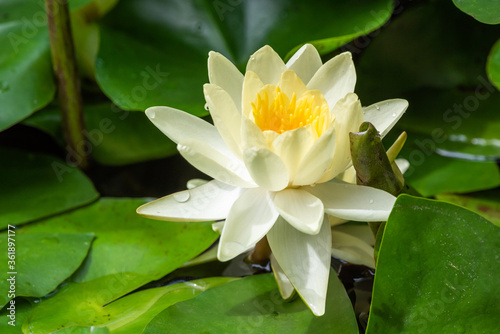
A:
(178, 125)
(353, 202)
(250, 218)
(193, 183)
(335, 78)
(224, 74)
(226, 116)
(402, 164)
(317, 161)
(218, 226)
(305, 62)
(266, 168)
(211, 162)
(252, 136)
(349, 175)
(267, 64)
(284, 286)
(354, 244)
(300, 209)
(291, 146)
(290, 83)
(384, 115)
(210, 201)
(349, 116)
(251, 86)
(305, 260)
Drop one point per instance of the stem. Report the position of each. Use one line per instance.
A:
(261, 253)
(68, 81)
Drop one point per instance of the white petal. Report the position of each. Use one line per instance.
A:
(290, 83)
(354, 244)
(305, 260)
(250, 218)
(224, 74)
(301, 209)
(252, 135)
(215, 164)
(178, 125)
(226, 116)
(266, 168)
(291, 146)
(210, 201)
(317, 161)
(348, 118)
(193, 183)
(353, 202)
(285, 287)
(251, 86)
(403, 165)
(305, 62)
(335, 78)
(267, 64)
(218, 226)
(349, 175)
(383, 115)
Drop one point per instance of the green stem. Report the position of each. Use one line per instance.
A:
(68, 81)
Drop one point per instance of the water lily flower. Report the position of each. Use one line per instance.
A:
(279, 140)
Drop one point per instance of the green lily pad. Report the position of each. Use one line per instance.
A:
(437, 271)
(431, 173)
(485, 11)
(115, 136)
(419, 50)
(493, 65)
(37, 185)
(485, 203)
(129, 314)
(129, 251)
(21, 308)
(26, 79)
(39, 262)
(257, 307)
(155, 53)
(83, 330)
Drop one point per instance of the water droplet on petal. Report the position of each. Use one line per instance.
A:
(252, 58)
(152, 114)
(182, 196)
(393, 114)
(370, 201)
(206, 106)
(377, 107)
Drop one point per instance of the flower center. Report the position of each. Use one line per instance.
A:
(274, 110)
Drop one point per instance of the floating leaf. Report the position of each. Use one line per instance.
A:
(493, 65)
(21, 309)
(40, 262)
(155, 53)
(257, 307)
(129, 251)
(485, 11)
(37, 185)
(437, 271)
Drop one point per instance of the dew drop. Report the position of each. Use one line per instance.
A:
(182, 196)
(152, 114)
(252, 58)
(377, 107)
(393, 114)
(370, 201)
(206, 106)
(4, 86)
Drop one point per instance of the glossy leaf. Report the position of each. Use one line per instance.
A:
(485, 11)
(128, 252)
(41, 261)
(485, 203)
(25, 58)
(129, 314)
(37, 185)
(431, 174)
(437, 271)
(257, 307)
(157, 55)
(493, 65)
(83, 330)
(21, 308)
(115, 136)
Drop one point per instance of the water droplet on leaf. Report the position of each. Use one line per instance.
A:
(4, 86)
(182, 196)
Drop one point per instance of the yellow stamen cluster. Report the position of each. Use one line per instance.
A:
(278, 113)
